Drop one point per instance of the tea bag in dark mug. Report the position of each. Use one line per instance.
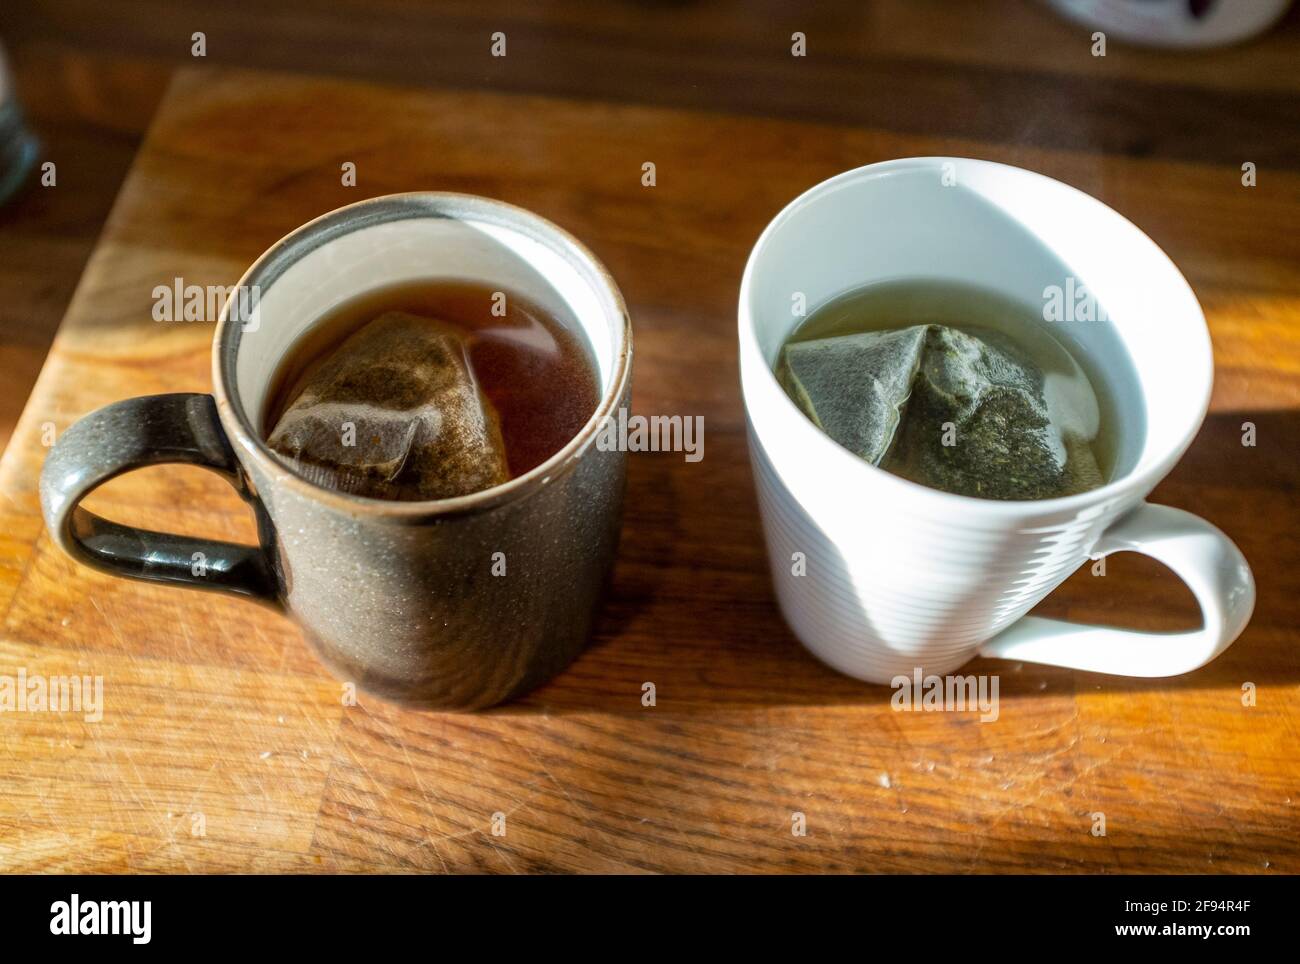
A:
(967, 414)
(395, 413)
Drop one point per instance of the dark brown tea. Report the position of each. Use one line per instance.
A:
(531, 378)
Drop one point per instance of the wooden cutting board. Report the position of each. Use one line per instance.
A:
(224, 746)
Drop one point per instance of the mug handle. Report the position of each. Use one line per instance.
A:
(152, 430)
(1203, 557)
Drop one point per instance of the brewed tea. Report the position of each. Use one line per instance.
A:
(430, 390)
(953, 387)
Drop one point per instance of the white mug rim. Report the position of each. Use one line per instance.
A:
(758, 376)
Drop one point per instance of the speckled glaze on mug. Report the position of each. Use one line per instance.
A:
(399, 597)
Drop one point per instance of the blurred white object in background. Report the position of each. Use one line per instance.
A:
(1176, 23)
(17, 144)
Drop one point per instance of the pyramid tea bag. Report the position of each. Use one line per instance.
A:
(958, 411)
(1007, 441)
(853, 387)
(395, 413)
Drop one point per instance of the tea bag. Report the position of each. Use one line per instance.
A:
(853, 387)
(395, 413)
(976, 416)
(979, 424)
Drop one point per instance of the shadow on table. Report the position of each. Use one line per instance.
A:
(692, 611)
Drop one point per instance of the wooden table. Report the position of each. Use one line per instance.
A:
(225, 747)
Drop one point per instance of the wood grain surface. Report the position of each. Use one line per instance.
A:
(225, 747)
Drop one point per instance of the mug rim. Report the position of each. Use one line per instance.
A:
(1140, 479)
(290, 248)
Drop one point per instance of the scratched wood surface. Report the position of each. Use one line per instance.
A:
(224, 746)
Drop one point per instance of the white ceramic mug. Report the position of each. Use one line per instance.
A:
(878, 575)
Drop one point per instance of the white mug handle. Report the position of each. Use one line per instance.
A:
(1202, 556)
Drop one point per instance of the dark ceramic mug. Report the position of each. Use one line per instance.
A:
(399, 597)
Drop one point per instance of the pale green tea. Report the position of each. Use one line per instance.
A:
(954, 387)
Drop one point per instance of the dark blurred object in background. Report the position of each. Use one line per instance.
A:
(17, 145)
(1176, 23)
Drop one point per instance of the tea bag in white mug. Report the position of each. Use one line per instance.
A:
(965, 413)
(985, 421)
(395, 413)
(854, 387)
